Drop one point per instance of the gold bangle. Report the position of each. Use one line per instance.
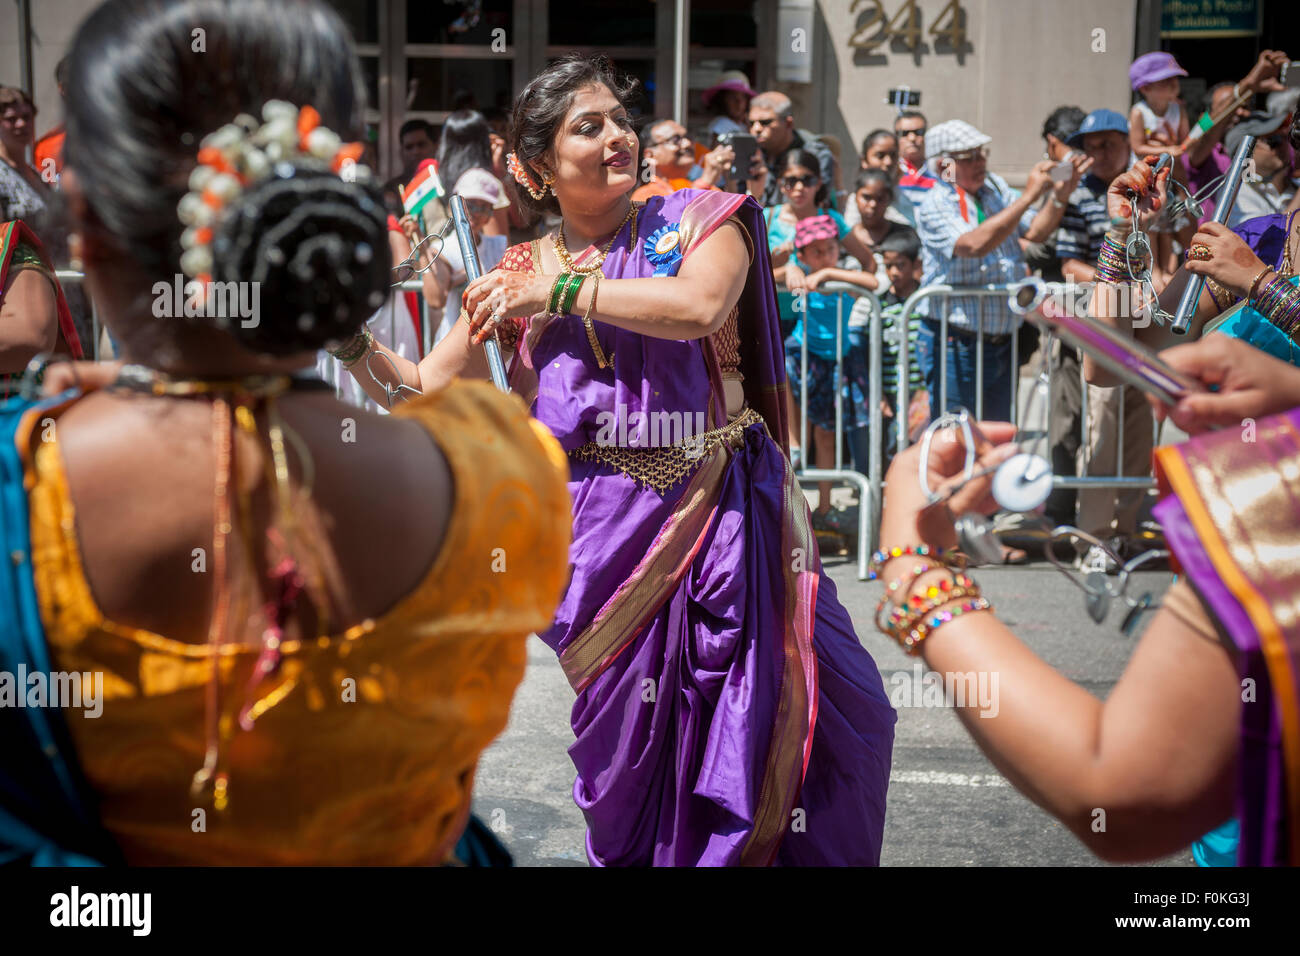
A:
(601, 360)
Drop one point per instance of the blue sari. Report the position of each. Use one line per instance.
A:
(1266, 236)
(47, 813)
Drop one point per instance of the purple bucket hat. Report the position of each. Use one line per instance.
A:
(1152, 68)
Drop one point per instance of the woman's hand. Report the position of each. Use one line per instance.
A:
(1231, 262)
(1151, 190)
(1251, 384)
(498, 295)
(909, 518)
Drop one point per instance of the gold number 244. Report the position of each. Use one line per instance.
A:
(905, 25)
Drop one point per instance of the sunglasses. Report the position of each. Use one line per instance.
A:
(477, 207)
(970, 155)
(1276, 140)
(789, 182)
(912, 132)
(765, 123)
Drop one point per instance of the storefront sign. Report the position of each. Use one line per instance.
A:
(1187, 19)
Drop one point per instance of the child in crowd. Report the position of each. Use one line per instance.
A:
(1157, 124)
(824, 321)
(483, 196)
(900, 255)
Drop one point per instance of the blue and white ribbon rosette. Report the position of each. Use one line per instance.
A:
(663, 248)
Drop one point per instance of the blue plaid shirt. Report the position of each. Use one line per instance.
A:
(939, 223)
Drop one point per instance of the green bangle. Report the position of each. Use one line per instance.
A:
(553, 300)
(571, 292)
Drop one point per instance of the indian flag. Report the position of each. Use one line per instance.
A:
(425, 185)
(1201, 128)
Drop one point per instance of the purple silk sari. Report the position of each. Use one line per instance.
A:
(1232, 519)
(726, 713)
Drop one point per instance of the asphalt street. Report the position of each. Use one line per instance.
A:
(947, 805)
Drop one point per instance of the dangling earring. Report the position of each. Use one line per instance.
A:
(525, 179)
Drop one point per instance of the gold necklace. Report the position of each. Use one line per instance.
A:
(566, 260)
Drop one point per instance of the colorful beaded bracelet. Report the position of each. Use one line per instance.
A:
(949, 556)
(912, 642)
(904, 619)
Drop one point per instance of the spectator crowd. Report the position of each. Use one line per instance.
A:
(919, 207)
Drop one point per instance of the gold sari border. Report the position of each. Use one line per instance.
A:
(651, 582)
(1194, 494)
(796, 718)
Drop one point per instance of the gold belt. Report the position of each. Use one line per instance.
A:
(664, 466)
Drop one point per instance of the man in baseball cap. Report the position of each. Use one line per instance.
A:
(1099, 121)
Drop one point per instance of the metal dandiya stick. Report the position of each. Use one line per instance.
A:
(1223, 208)
(469, 255)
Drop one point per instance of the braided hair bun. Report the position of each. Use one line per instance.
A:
(314, 245)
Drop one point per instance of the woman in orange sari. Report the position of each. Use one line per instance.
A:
(267, 674)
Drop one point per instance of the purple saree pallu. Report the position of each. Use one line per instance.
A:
(1232, 519)
(726, 713)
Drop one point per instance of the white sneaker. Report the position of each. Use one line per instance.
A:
(1097, 560)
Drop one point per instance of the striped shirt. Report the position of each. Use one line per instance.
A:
(944, 215)
(1084, 223)
(891, 315)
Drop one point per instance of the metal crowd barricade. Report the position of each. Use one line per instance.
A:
(1003, 290)
(869, 484)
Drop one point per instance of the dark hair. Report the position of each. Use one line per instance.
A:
(874, 176)
(465, 143)
(648, 131)
(541, 107)
(414, 126)
(1063, 122)
(140, 100)
(911, 114)
(874, 135)
(902, 239)
(14, 94)
(801, 157)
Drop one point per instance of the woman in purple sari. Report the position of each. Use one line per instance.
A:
(726, 713)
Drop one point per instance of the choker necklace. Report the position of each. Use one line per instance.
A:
(141, 378)
(566, 260)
